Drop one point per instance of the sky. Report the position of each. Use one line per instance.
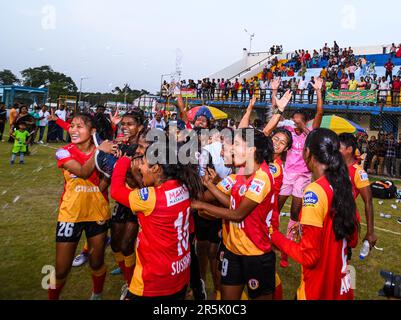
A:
(135, 42)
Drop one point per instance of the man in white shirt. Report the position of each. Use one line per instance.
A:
(43, 120)
(263, 85)
(301, 87)
(62, 114)
(158, 122)
(384, 86)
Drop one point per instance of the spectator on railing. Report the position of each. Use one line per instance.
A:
(384, 87)
(398, 53)
(323, 73)
(263, 85)
(362, 84)
(326, 52)
(302, 84)
(393, 50)
(222, 87)
(294, 87)
(395, 90)
(352, 84)
(213, 87)
(389, 69)
(344, 82)
(235, 89)
(390, 145)
(311, 90)
(244, 89)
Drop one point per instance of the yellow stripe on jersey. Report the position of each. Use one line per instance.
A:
(301, 290)
(143, 200)
(259, 188)
(136, 286)
(361, 178)
(314, 206)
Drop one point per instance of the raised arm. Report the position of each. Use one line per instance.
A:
(319, 108)
(275, 84)
(246, 119)
(181, 108)
(275, 119)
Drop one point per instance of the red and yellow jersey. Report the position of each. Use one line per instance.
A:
(359, 178)
(251, 236)
(163, 249)
(277, 171)
(82, 199)
(328, 279)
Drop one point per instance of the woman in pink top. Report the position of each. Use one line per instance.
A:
(344, 82)
(296, 174)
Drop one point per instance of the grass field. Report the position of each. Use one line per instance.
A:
(29, 197)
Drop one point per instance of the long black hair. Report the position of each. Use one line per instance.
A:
(264, 145)
(324, 146)
(187, 174)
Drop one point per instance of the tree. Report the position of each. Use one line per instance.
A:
(8, 78)
(57, 83)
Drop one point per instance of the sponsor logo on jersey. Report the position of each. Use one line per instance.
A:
(253, 284)
(144, 194)
(62, 154)
(242, 191)
(257, 186)
(310, 199)
(363, 175)
(176, 196)
(227, 184)
(87, 189)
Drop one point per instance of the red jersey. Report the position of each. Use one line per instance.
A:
(328, 279)
(359, 178)
(81, 200)
(276, 169)
(251, 236)
(163, 252)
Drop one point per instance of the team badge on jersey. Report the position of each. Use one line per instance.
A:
(253, 284)
(242, 191)
(257, 186)
(144, 194)
(363, 175)
(62, 154)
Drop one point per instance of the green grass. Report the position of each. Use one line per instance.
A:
(29, 196)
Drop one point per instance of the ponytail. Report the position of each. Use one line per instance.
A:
(324, 145)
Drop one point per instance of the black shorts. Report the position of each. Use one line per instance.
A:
(122, 214)
(258, 273)
(207, 230)
(71, 232)
(180, 295)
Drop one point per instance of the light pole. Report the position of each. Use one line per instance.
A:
(80, 89)
(251, 36)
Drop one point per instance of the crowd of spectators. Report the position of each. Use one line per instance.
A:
(383, 154)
